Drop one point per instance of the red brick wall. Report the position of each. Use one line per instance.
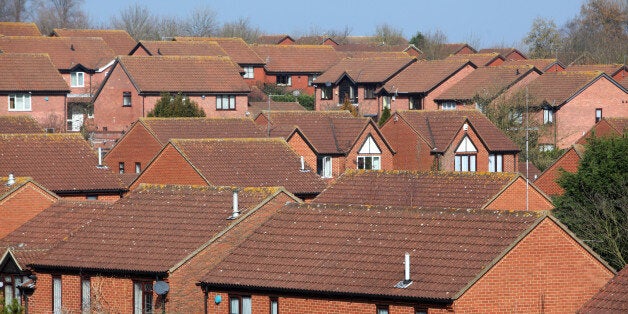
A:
(22, 205)
(386, 158)
(108, 109)
(49, 113)
(91, 83)
(101, 197)
(447, 161)
(601, 129)
(298, 82)
(169, 167)
(429, 103)
(495, 62)
(412, 153)
(303, 149)
(547, 180)
(137, 145)
(514, 198)
(547, 272)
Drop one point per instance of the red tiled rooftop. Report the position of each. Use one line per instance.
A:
(541, 64)
(479, 59)
(504, 52)
(22, 124)
(19, 29)
(297, 58)
(365, 70)
(609, 69)
(423, 76)
(182, 48)
(612, 298)
(118, 40)
(26, 72)
(236, 48)
(273, 39)
(256, 107)
(165, 129)
(555, 88)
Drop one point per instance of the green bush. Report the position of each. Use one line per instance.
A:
(177, 106)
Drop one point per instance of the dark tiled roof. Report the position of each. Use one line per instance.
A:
(479, 59)
(297, 58)
(19, 29)
(145, 232)
(60, 162)
(450, 49)
(65, 52)
(609, 69)
(236, 48)
(423, 76)
(620, 124)
(613, 298)
(22, 124)
(118, 40)
(273, 39)
(486, 82)
(250, 162)
(165, 129)
(184, 74)
(365, 70)
(541, 64)
(256, 107)
(349, 250)
(418, 189)
(532, 170)
(440, 127)
(182, 48)
(504, 52)
(555, 88)
(25, 72)
(6, 189)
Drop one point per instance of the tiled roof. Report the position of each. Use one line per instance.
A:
(423, 76)
(450, 49)
(297, 58)
(314, 40)
(613, 298)
(371, 47)
(360, 250)
(21, 124)
(374, 54)
(19, 29)
(182, 48)
(624, 82)
(417, 189)
(118, 40)
(145, 232)
(65, 52)
(60, 162)
(568, 161)
(256, 107)
(541, 64)
(330, 132)
(273, 39)
(440, 127)
(250, 162)
(479, 59)
(620, 124)
(165, 129)
(184, 74)
(609, 69)
(349, 40)
(236, 48)
(365, 70)
(555, 88)
(504, 52)
(486, 82)
(532, 170)
(25, 72)
(6, 189)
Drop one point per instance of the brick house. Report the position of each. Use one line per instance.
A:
(507, 53)
(19, 29)
(147, 136)
(83, 63)
(458, 140)
(491, 191)
(295, 66)
(617, 71)
(282, 39)
(63, 163)
(118, 40)
(177, 48)
(116, 270)
(485, 82)
(31, 85)
(252, 162)
(135, 84)
(612, 298)
(480, 59)
(21, 199)
(543, 65)
(357, 80)
(383, 259)
(331, 141)
(416, 86)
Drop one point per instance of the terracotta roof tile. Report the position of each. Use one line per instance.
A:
(297, 58)
(22, 124)
(250, 162)
(350, 40)
(25, 72)
(182, 48)
(541, 64)
(609, 69)
(6, 189)
(374, 54)
(504, 52)
(613, 298)
(118, 40)
(314, 40)
(620, 124)
(371, 47)
(479, 59)
(184, 74)
(273, 39)
(65, 52)
(60, 162)
(624, 82)
(454, 48)
(19, 29)
(165, 129)
(365, 70)
(347, 250)
(236, 48)
(423, 76)
(145, 232)
(440, 127)
(555, 88)
(256, 107)
(419, 189)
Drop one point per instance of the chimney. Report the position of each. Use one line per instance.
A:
(236, 210)
(406, 282)
(10, 180)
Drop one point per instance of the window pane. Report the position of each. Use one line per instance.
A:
(274, 307)
(382, 311)
(137, 298)
(8, 293)
(246, 305)
(360, 162)
(85, 295)
(457, 163)
(499, 163)
(491, 163)
(376, 164)
(234, 306)
(464, 160)
(472, 163)
(56, 292)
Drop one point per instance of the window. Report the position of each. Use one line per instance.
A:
(240, 305)
(495, 163)
(225, 102)
(138, 167)
(77, 79)
(416, 103)
(420, 311)
(327, 92)
(323, 166)
(142, 297)
(548, 116)
(369, 162)
(126, 99)
(19, 102)
(382, 309)
(274, 306)
(248, 72)
(448, 105)
(56, 295)
(598, 115)
(91, 197)
(86, 294)
(464, 163)
(311, 79)
(121, 167)
(285, 80)
(369, 92)
(9, 284)
(386, 100)
(546, 147)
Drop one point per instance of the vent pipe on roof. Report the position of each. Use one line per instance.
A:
(406, 282)
(236, 210)
(99, 157)
(10, 180)
(302, 164)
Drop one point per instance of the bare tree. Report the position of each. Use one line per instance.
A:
(13, 10)
(138, 21)
(53, 14)
(202, 23)
(241, 28)
(169, 27)
(389, 35)
(431, 44)
(544, 39)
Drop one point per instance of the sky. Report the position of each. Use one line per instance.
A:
(486, 23)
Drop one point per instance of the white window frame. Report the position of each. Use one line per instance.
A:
(225, 102)
(288, 81)
(327, 92)
(77, 79)
(86, 295)
(138, 167)
(326, 166)
(448, 105)
(248, 72)
(240, 304)
(127, 100)
(386, 101)
(465, 162)
(548, 116)
(495, 163)
(375, 162)
(21, 102)
(57, 292)
(598, 114)
(140, 297)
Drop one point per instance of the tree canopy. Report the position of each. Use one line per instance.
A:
(177, 106)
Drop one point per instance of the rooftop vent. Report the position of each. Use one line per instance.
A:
(10, 180)
(236, 210)
(406, 282)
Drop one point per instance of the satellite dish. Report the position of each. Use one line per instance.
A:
(161, 287)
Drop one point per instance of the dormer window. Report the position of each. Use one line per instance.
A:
(77, 79)
(466, 156)
(369, 155)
